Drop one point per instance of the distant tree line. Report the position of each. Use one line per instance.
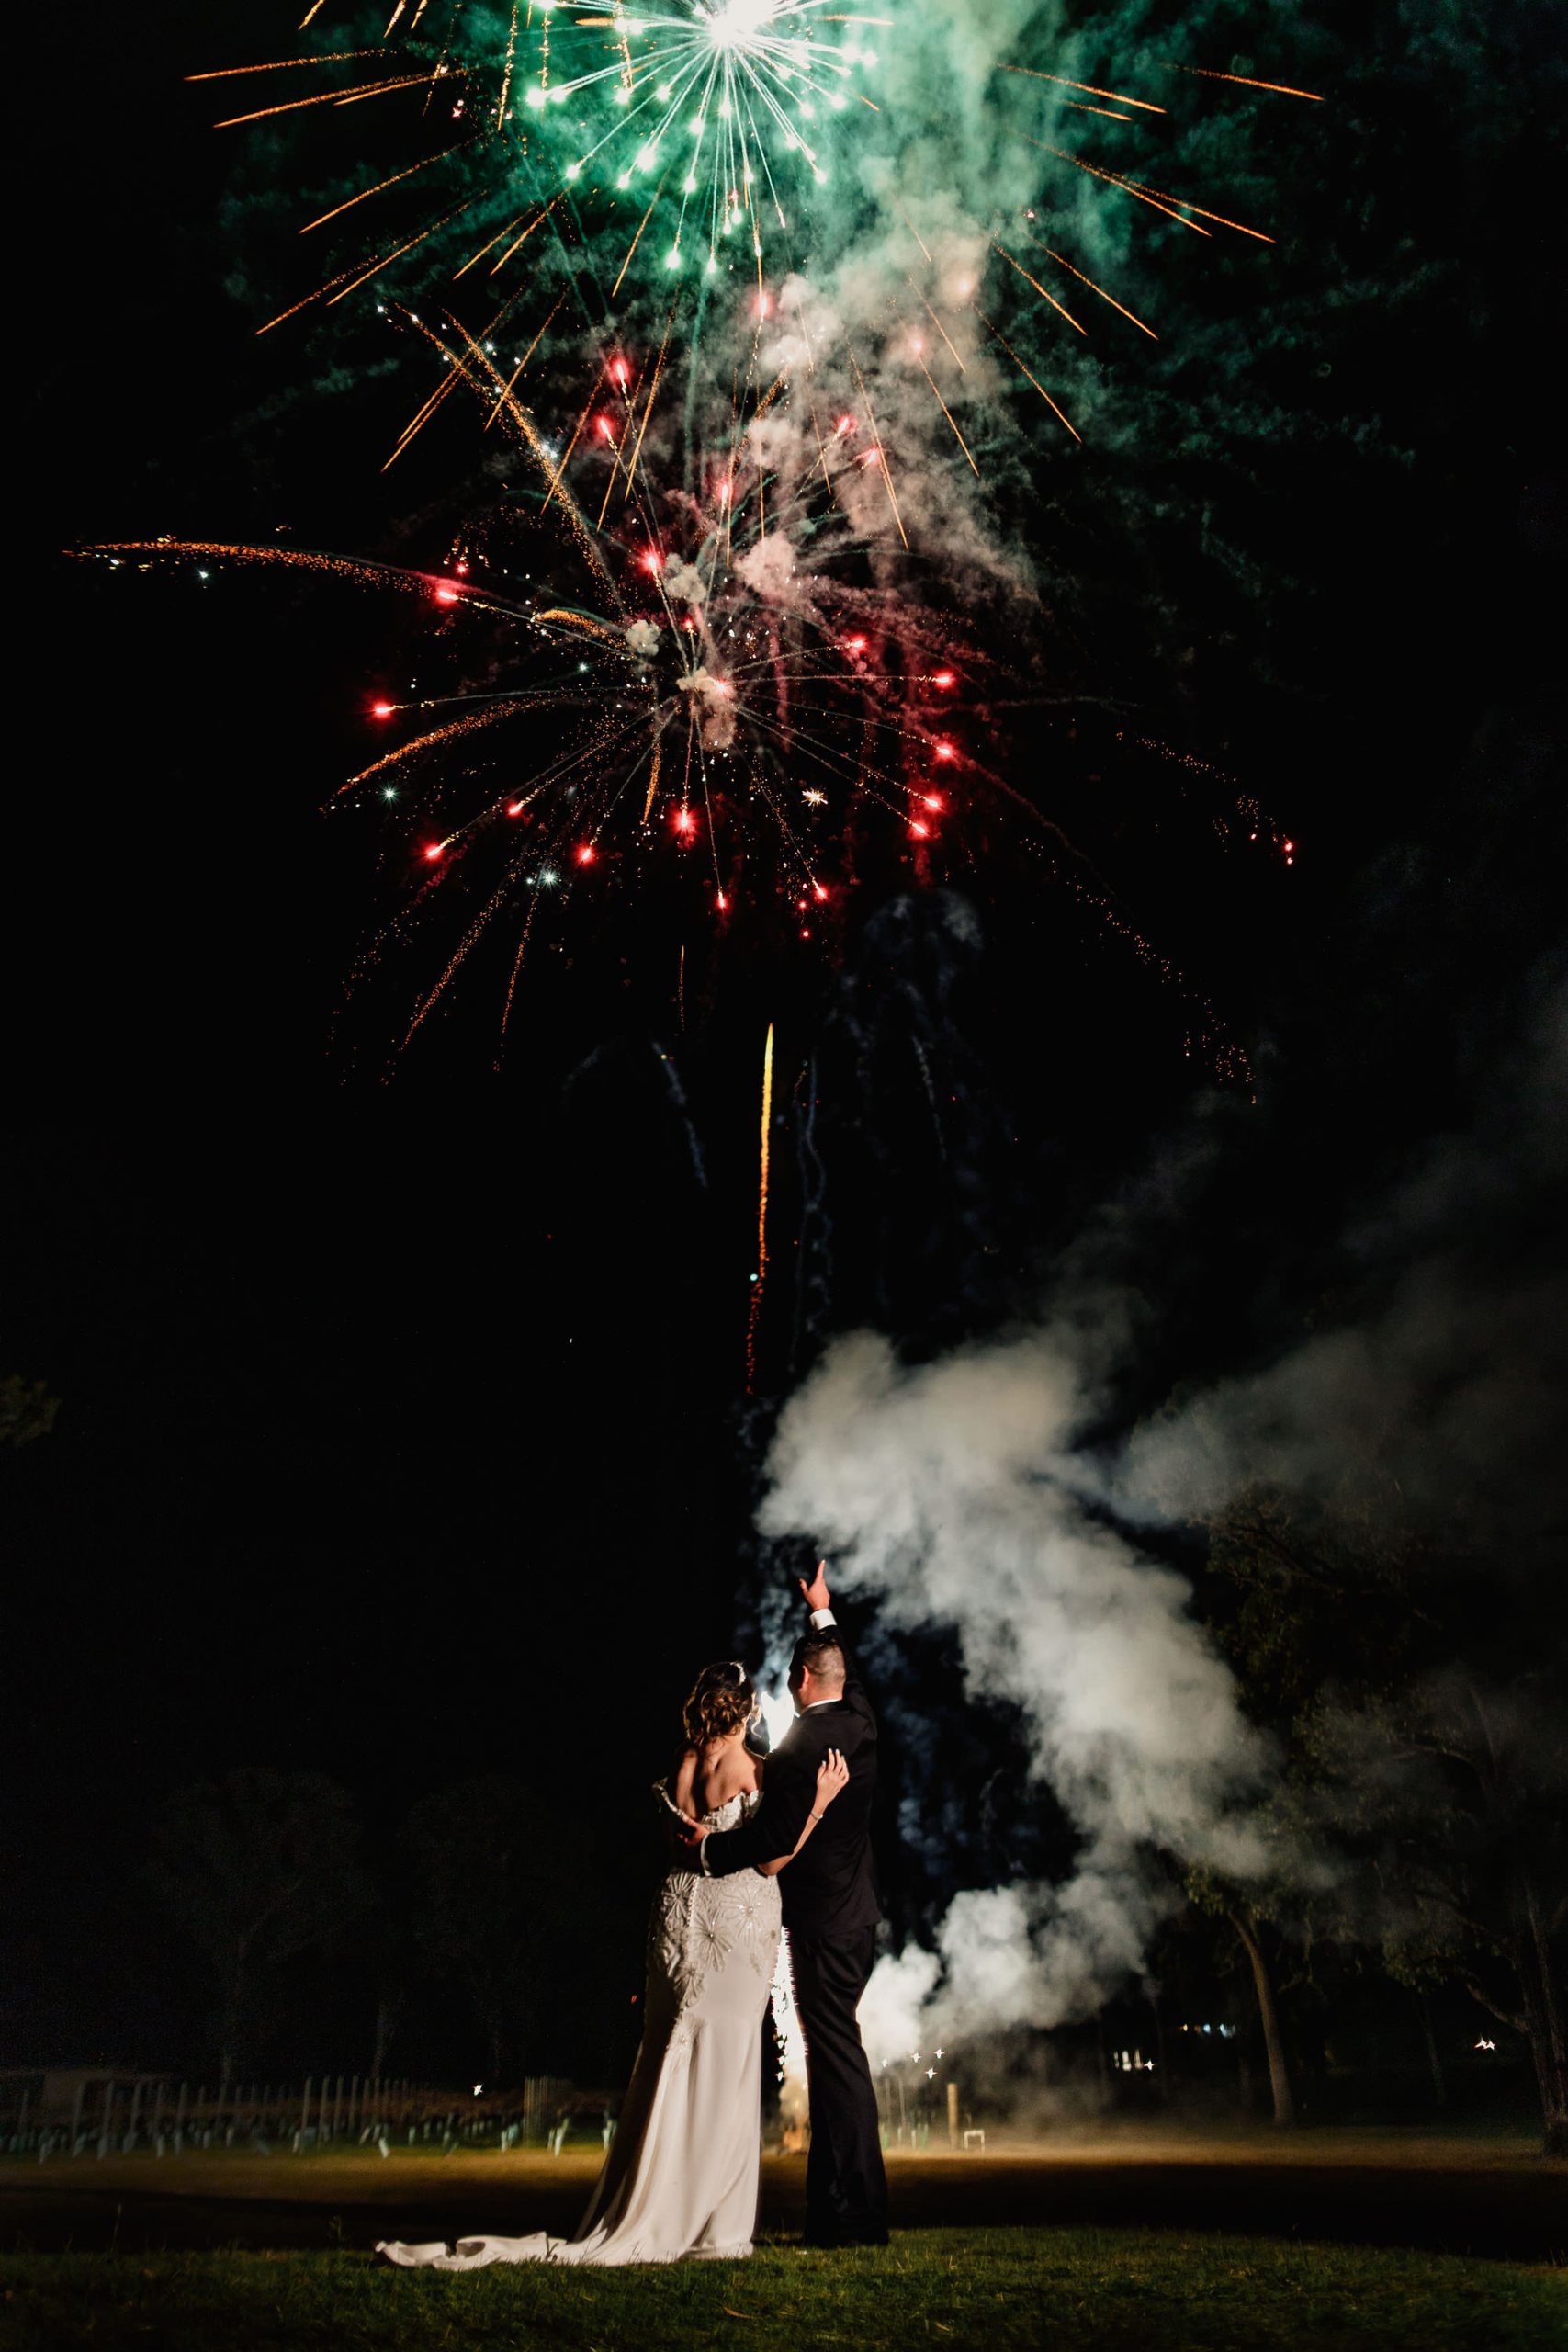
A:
(263, 1867)
(1413, 1679)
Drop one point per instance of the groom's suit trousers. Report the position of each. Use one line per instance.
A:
(846, 2187)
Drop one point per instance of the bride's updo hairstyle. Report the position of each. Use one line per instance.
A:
(722, 1702)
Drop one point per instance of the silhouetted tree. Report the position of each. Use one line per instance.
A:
(487, 1888)
(1426, 1712)
(257, 1867)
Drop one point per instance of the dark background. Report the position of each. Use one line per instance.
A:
(403, 1432)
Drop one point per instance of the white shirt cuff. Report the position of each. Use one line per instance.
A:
(822, 1618)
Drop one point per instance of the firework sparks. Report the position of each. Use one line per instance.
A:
(760, 1278)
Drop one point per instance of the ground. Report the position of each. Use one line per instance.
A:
(1154, 2241)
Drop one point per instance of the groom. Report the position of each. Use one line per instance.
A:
(830, 1911)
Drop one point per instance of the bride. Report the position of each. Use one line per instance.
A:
(680, 2178)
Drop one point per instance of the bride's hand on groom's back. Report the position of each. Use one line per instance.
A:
(833, 1774)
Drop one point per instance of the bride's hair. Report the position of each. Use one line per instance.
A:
(722, 1702)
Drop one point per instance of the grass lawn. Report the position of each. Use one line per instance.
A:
(985, 2289)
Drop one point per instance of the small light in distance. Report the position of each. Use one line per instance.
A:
(652, 561)
(920, 831)
(817, 891)
(945, 751)
(432, 851)
(943, 678)
(845, 425)
(931, 799)
(620, 371)
(854, 645)
(586, 853)
(445, 593)
(685, 820)
(723, 903)
(382, 709)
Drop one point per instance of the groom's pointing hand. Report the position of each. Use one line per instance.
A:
(816, 1594)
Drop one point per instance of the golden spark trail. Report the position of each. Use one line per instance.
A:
(431, 405)
(936, 323)
(761, 1215)
(487, 247)
(1023, 370)
(326, 98)
(1207, 74)
(1113, 180)
(947, 413)
(636, 240)
(561, 469)
(648, 405)
(281, 64)
(1142, 188)
(505, 391)
(1092, 88)
(512, 408)
(303, 303)
(1038, 288)
(386, 260)
(348, 202)
(1104, 297)
(882, 465)
(446, 733)
(527, 233)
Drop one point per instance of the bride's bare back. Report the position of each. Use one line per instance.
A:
(708, 1777)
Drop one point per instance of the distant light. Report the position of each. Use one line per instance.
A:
(433, 850)
(651, 561)
(478, 2089)
(723, 902)
(920, 831)
(685, 820)
(388, 792)
(585, 854)
(514, 808)
(606, 430)
(817, 891)
(620, 371)
(382, 709)
(854, 645)
(945, 751)
(931, 799)
(943, 678)
(445, 593)
(845, 425)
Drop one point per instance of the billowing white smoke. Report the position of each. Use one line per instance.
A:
(715, 700)
(950, 1492)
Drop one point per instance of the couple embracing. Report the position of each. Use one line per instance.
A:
(752, 1845)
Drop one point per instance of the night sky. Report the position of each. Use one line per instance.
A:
(402, 1430)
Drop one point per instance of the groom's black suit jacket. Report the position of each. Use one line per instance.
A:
(829, 1889)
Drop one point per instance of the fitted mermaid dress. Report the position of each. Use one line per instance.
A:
(681, 2180)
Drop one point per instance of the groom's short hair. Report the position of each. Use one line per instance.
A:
(821, 1655)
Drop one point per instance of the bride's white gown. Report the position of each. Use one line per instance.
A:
(681, 2178)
